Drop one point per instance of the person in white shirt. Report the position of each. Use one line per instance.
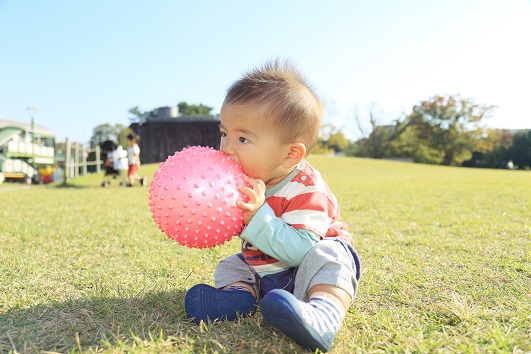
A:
(133, 156)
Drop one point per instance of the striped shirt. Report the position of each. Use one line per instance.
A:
(299, 211)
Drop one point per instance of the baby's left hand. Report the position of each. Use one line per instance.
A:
(256, 196)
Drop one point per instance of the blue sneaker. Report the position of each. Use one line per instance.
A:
(311, 326)
(206, 303)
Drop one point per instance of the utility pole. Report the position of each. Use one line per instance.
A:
(32, 132)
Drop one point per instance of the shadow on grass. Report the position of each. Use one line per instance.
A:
(93, 185)
(93, 324)
(77, 186)
(67, 185)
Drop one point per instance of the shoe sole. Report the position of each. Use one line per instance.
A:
(205, 303)
(281, 312)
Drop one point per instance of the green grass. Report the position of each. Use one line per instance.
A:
(446, 256)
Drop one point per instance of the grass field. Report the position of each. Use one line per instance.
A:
(446, 257)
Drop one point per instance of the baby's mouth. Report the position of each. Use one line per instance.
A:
(233, 159)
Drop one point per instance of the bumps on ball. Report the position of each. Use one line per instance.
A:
(193, 197)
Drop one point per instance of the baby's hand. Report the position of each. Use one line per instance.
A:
(256, 196)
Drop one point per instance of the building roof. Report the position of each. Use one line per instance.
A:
(38, 129)
(6, 134)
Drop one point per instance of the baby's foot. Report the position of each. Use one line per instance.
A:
(206, 303)
(313, 324)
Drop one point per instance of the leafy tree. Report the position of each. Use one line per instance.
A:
(494, 139)
(141, 116)
(403, 145)
(192, 110)
(520, 151)
(338, 142)
(491, 149)
(447, 129)
(122, 135)
(331, 139)
(105, 132)
(381, 140)
(321, 148)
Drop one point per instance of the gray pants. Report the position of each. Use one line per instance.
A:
(329, 262)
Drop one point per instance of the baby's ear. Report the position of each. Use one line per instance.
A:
(296, 153)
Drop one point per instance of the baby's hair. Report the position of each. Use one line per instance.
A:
(292, 105)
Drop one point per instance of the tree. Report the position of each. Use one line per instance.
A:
(331, 139)
(520, 151)
(192, 110)
(380, 140)
(491, 149)
(105, 132)
(494, 148)
(139, 116)
(122, 135)
(447, 129)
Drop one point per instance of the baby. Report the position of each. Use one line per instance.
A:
(296, 256)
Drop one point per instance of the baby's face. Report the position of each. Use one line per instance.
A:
(247, 137)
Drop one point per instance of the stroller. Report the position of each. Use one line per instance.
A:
(114, 163)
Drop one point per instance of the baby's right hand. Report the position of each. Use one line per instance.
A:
(256, 196)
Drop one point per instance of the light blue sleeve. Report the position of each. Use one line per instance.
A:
(271, 235)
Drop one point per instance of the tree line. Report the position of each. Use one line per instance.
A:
(444, 130)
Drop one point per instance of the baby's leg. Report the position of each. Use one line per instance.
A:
(234, 272)
(325, 285)
(329, 267)
(235, 293)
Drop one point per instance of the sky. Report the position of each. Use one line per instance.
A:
(87, 62)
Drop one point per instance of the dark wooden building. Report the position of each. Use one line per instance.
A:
(162, 137)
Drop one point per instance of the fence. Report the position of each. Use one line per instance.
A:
(76, 159)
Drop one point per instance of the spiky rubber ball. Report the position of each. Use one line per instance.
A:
(193, 197)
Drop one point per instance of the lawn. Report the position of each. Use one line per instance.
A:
(446, 257)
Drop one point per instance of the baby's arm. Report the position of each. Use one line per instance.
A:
(270, 233)
(280, 240)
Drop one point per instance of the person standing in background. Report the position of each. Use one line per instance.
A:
(133, 157)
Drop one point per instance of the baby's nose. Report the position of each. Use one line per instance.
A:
(224, 146)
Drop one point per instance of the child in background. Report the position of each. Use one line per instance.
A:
(296, 256)
(133, 157)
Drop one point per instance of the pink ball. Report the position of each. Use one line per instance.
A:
(193, 197)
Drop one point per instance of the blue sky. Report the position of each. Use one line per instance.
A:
(85, 63)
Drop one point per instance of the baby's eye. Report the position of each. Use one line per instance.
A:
(222, 134)
(243, 140)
